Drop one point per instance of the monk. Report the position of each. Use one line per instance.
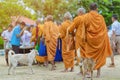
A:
(37, 33)
(78, 25)
(67, 55)
(51, 35)
(97, 41)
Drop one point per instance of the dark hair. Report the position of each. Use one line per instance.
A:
(93, 6)
(115, 16)
(22, 23)
(10, 25)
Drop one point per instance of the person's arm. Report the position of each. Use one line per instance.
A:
(21, 33)
(113, 31)
(3, 36)
(74, 25)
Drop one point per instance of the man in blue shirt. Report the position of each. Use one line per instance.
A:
(16, 35)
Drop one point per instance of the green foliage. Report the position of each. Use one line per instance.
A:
(1, 43)
(8, 9)
(57, 8)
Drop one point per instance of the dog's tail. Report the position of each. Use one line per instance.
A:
(10, 53)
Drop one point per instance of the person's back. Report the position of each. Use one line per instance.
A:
(97, 41)
(14, 39)
(116, 27)
(51, 35)
(16, 35)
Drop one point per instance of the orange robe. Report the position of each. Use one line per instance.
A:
(51, 35)
(34, 39)
(97, 41)
(68, 57)
(40, 32)
(78, 25)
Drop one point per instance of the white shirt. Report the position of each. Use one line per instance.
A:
(26, 38)
(116, 27)
(7, 35)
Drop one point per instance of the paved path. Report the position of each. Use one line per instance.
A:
(42, 73)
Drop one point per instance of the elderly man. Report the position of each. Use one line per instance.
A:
(97, 42)
(68, 57)
(51, 35)
(78, 25)
(115, 38)
(16, 36)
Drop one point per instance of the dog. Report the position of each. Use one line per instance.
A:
(86, 65)
(14, 59)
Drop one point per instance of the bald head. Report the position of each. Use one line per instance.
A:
(49, 18)
(93, 6)
(38, 21)
(81, 11)
(67, 16)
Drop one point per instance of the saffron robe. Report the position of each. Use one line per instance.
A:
(68, 56)
(51, 35)
(97, 41)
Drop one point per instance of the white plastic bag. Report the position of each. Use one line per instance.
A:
(8, 45)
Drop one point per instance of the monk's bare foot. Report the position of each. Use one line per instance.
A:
(88, 76)
(53, 68)
(112, 65)
(72, 70)
(65, 70)
(98, 76)
(46, 66)
(80, 73)
(98, 73)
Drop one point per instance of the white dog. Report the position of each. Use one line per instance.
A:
(14, 59)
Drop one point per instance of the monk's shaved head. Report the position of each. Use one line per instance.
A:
(93, 6)
(81, 10)
(67, 16)
(49, 18)
(38, 21)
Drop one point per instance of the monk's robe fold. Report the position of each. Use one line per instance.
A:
(37, 34)
(51, 35)
(97, 41)
(78, 25)
(68, 56)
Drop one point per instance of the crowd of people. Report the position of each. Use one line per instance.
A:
(87, 33)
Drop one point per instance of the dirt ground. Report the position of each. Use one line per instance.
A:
(42, 73)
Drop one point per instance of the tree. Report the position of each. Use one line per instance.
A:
(58, 7)
(8, 9)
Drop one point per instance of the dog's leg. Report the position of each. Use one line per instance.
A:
(10, 66)
(14, 70)
(84, 74)
(92, 75)
(30, 66)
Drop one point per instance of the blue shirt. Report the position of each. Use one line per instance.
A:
(14, 39)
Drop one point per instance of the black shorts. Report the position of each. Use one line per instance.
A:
(15, 49)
